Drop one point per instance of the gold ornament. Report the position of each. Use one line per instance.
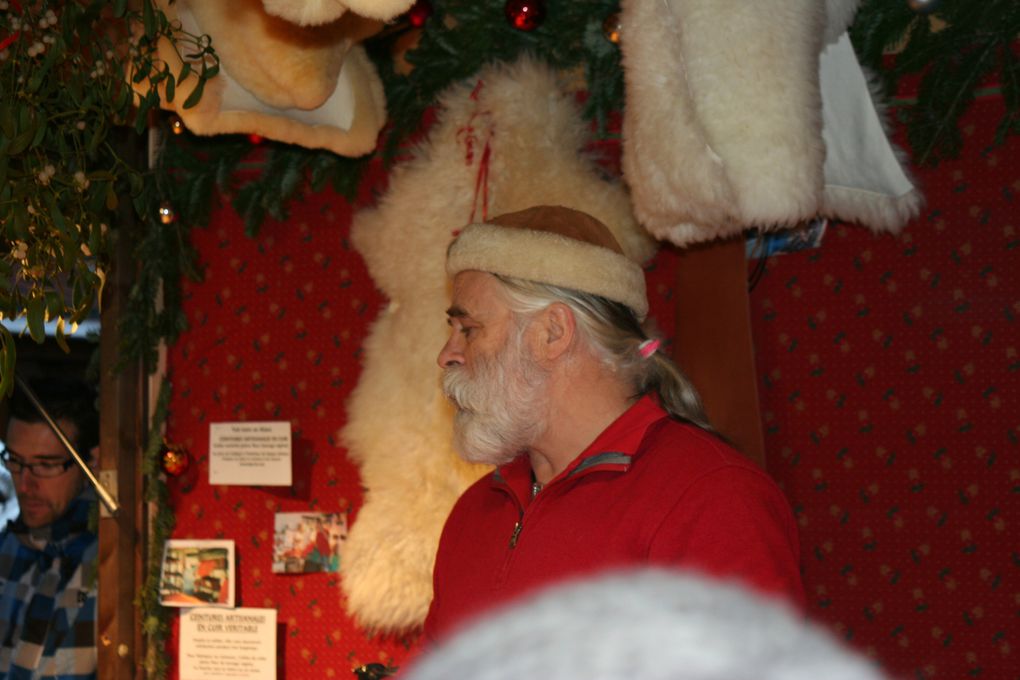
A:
(166, 213)
(174, 460)
(923, 6)
(611, 28)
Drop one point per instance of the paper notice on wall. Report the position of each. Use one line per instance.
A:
(250, 453)
(239, 644)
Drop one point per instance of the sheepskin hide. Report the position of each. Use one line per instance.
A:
(506, 140)
(752, 114)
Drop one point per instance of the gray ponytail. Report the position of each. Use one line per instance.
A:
(615, 335)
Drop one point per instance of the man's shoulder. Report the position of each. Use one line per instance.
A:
(678, 444)
(480, 486)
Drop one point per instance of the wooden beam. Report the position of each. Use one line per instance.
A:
(713, 343)
(121, 438)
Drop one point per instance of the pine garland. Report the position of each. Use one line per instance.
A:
(154, 616)
(956, 50)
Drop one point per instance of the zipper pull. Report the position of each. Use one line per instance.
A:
(517, 532)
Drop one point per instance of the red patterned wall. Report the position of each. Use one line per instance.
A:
(889, 385)
(275, 331)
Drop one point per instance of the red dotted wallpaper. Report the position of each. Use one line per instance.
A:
(889, 378)
(889, 385)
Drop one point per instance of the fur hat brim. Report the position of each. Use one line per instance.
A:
(550, 258)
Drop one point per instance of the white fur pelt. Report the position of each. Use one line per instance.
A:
(723, 120)
(648, 624)
(399, 426)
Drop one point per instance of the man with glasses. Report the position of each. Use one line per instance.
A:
(48, 554)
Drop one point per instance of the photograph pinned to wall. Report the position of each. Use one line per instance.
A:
(308, 542)
(197, 573)
(760, 245)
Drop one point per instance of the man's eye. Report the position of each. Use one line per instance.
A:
(48, 466)
(466, 330)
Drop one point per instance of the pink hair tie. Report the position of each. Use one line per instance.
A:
(648, 348)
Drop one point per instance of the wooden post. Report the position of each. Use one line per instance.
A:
(713, 342)
(121, 438)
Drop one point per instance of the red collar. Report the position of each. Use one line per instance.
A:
(612, 449)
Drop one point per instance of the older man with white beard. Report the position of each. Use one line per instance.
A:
(603, 455)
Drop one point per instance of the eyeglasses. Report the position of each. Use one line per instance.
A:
(41, 469)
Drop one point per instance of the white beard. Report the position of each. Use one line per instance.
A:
(502, 408)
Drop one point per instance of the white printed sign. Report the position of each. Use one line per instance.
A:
(239, 644)
(250, 453)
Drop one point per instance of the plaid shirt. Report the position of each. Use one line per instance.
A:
(48, 598)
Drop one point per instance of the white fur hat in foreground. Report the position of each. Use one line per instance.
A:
(553, 245)
(649, 624)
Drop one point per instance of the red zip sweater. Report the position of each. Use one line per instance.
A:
(648, 491)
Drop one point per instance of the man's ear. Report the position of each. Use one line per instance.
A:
(556, 327)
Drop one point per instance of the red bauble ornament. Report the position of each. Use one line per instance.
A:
(419, 13)
(255, 139)
(174, 460)
(525, 15)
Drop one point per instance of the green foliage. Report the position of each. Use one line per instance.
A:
(66, 70)
(955, 50)
(155, 617)
(463, 35)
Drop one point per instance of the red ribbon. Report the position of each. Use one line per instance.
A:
(8, 40)
(16, 6)
(467, 134)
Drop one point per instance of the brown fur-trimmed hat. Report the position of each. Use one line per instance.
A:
(554, 245)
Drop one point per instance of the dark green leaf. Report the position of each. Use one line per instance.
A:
(148, 19)
(54, 303)
(142, 72)
(40, 133)
(21, 221)
(195, 95)
(8, 354)
(35, 313)
(7, 120)
(54, 209)
(21, 141)
(60, 337)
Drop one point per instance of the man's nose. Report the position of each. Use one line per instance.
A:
(26, 481)
(451, 354)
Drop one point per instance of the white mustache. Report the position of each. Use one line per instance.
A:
(462, 390)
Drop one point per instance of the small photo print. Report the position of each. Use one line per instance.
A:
(197, 573)
(307, 542)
